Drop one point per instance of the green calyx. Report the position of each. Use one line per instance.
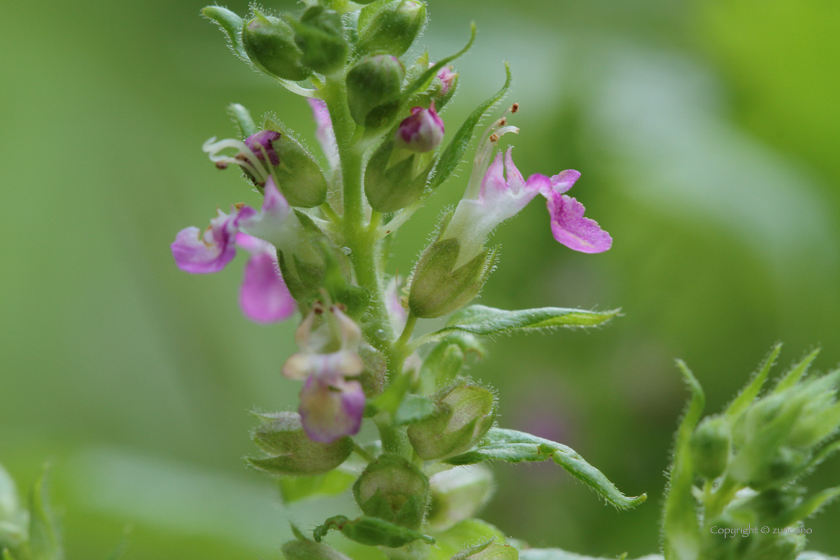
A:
(319, 34)
(392, 186)
(394, 490)
(373, 90)
(298, 175)
(390, 27)
(290, 451)
(270, 44)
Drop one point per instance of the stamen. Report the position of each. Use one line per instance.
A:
(503, 121)
(239, 205)
(514, 108)
(494, 138)
(212, 148)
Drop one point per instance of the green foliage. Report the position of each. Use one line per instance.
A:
(517, 447)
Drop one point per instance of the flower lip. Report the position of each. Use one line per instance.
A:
(207, 252)
(572, 229)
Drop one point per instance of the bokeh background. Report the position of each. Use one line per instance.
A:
(707, 134)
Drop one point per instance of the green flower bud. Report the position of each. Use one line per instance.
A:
(320, 36)
(270, 44)
(290, 450)
(710, 445)
(394, 490)
(437, 287)
(297, 174)
(467, 412)
(373, 90)
(391, 27)
(392, 185)
(458, 494)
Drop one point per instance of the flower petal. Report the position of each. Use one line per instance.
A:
(271, 223)
(324, 131)
(263, 296)
(573, 230)
(208, 252)
(331, 409)
(564, 180)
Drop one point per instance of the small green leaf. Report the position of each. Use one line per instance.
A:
(371, 531)
(414, 408)
(487, 321)
(457, 147)
(296, 488)
(231, 24)
(679, 523)
(43, 533)
(426, 77)
(750, 392)
(243, 120)
(517, 447)
(792, 377)
(808, 508)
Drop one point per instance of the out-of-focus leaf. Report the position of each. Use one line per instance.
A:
(557, 554)
(679, 523)
(457, 147)
(463, 534)
(295, 488)
(750, 392)
(517, 447)
(793, 376)
(43, 534)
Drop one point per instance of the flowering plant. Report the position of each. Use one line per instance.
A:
(318, 245)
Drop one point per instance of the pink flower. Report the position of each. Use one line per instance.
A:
(331, 406)
(446, 77)
(497, 192)
(263, 295)
(422, 131)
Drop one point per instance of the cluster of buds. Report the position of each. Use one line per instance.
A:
(751, 459)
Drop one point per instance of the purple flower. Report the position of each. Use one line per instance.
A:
(324, 131)
(331, 406)
(567, 222)
(263, 296)
(422, 131)
(263, 142)
(497, 191)
(199, 253)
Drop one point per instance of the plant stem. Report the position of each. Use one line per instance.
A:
(361, 239)
(410, 322)
(362, 453)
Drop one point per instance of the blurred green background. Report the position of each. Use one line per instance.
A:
(707, 134)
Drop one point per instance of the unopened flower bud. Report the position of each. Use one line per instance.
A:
(297, 174)
(421, 132)
(391, 27)
(270, 44)
(448, 84)
(710, 445)
(467, 413)
(458, 494)
(320, 36)
(291, 451)
(394, 490)
(373, 90)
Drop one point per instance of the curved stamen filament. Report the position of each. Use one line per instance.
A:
(252, 165)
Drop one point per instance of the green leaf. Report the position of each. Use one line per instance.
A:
(679, 524)
(371, 531)
(231, 24)
(517, 447)
(243, 120)
(296, 488)
(457, 147)
(9, 504)
(487, 321)
(426, 77)
(463, 534)
(415, 408)
(750, 392)
(43, 533)
(792, 377)
(808, 508)
(488, 551)
(810, 555)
